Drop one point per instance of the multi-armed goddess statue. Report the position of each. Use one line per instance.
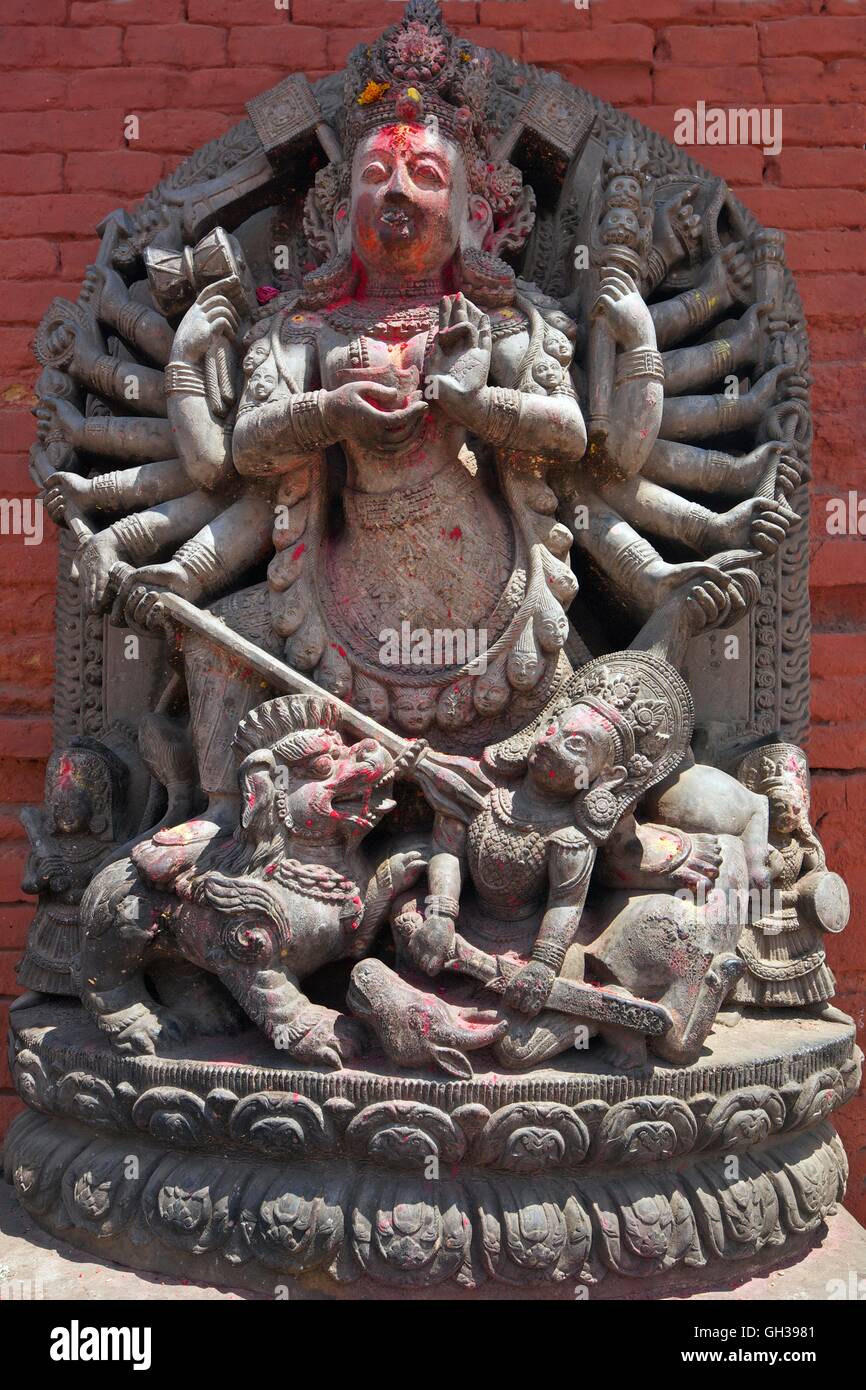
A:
(440, 357)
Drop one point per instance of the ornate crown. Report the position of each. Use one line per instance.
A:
(415, 72)
(647, 704)
(774, 765)
(648, 708)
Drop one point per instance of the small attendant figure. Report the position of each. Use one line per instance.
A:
(783, 947)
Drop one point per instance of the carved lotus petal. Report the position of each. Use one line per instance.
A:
(648, 1226)
(751, 1210)
(86, 1098)
(530, 1137)
(31, 1080)
(280, 1122)
(820, 1094)
(536, 1234)
(646, 1128)
(91, 1197)
(410, 1230)
(188, 1211)
(173, 1115)
(743, 1118)
(405, 1134)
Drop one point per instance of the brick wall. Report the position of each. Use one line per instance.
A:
(75, 68)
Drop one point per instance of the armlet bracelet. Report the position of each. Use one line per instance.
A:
(642, 362)
(181, 379)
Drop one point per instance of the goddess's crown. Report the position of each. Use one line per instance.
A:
(775, 765)
(415, 73)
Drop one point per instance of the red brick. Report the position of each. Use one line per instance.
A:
(131, 90)
(229, 89)
(34, 91)
(340, 42)
(129, 172)
(12, 859)
(504, 40)
(787, 208)
(839, 654)
(729, 86)
(8, 985)
(841, 80)
(550, 15)
(821, 36)
(841, 559)
(741, 165)
(700, 46)
(830, 745)
(34, 173)
(181, 131)
(236, 12)
(22, 301)
(623, 44)
(14, 921)
(132, 12)
(837, 168)
(333, 14)
(28, 739)
(52, 213)
(842, 124)
(49, 47)
(76, 256)
(835, 699)
(614, 84)
(25, 12)
(175, 45)
(832, 298)
(820, 251)
(18, 425)
(62, 130)
(295, 49)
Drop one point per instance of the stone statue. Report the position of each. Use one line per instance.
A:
(70, 838)
(430, 458)
(783, 947)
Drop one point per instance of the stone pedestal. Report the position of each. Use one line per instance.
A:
(250, 1175)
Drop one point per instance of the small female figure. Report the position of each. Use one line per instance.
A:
(783, 947)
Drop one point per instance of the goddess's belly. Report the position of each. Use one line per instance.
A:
(437, 556)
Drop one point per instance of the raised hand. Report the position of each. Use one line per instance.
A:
(621, 304)
(729, 274)
(676, 227)
(210, 319)
(104, 290)
(460, 363)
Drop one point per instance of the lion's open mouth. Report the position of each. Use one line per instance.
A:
(363, 804)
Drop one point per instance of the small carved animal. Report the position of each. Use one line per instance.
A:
(417, 1029)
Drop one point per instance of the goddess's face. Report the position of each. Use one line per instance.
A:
(409, 200)
(788, 807)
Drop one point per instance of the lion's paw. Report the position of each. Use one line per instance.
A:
(331, 1039)
(142, 1032)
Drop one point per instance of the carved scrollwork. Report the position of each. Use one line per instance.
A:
(280, 1123)
(402, 1228)
(526, 1138)
(404, 1134)
(645, 1129)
